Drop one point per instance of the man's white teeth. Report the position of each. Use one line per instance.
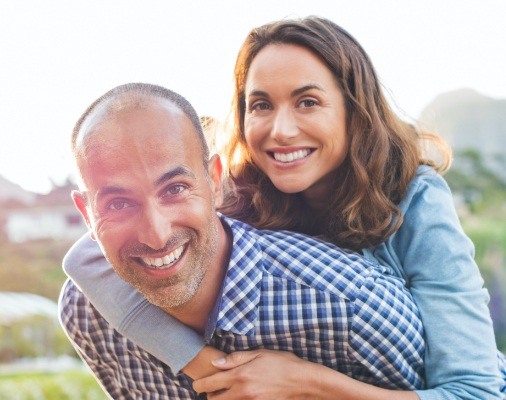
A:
(166, 261)
(289, 157)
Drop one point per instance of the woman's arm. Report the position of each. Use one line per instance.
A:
(268, 374)
(437, 258)
(133, 316)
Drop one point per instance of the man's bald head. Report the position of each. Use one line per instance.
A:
(131, 96)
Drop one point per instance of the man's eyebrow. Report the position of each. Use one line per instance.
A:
(179, 171)
(109, 190)
(115, 190)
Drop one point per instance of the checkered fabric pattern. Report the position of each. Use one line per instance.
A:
(283, 291)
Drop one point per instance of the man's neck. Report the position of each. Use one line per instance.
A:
(195, 313)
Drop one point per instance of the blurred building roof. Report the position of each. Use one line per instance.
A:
(17, 306)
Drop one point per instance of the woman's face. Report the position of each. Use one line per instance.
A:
(295, 120)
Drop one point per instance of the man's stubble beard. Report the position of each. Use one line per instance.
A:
(175, 291)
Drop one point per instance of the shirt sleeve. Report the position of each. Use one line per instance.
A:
(387, 337)
(70, 306)
(438, 261)
(130, 313)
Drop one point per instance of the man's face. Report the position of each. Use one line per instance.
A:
(150, 200)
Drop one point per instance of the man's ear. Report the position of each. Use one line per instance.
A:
(80, 201)
(215, 170)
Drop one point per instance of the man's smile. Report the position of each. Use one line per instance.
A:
(163, 262)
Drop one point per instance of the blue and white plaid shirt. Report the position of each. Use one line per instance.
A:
(282, 291)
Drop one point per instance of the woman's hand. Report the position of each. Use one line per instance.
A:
(257, 374)
(279, 375)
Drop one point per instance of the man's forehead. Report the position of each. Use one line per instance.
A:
(119, 108)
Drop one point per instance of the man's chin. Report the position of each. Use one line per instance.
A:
(170, 293)
(172, 301)
(167, 294)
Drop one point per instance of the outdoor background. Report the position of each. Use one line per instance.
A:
(442, 63)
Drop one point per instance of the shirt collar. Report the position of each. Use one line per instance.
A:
(237, 307)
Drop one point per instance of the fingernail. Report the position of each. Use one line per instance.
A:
(220, 361)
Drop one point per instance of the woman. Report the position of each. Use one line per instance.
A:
(317, 149)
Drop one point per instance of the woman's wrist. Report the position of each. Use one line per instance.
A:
(323, 383)
(201, 366)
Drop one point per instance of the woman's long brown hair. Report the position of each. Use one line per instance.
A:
(383, 156)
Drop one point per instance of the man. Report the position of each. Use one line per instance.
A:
(149, 194)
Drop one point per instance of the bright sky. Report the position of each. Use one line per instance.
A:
(56, 57)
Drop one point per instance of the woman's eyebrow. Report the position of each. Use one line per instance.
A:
(305, 88)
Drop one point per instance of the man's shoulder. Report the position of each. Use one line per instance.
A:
(288, 242)
(86, 327)
(70, 297)
(75, 310)
(303, 259)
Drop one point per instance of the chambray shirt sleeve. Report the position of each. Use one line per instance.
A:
(438, 262)
(126, 310)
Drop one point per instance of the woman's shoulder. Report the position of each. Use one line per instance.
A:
(428, 186)
(427, 177)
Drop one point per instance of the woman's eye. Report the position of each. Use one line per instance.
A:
(307, 103)
(117, 205)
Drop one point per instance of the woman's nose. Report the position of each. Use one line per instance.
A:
(284, 127)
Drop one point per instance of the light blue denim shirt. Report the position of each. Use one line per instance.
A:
(436, 259)
(430, 251)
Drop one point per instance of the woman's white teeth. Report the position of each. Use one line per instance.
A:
(166, 261)
(289, 157)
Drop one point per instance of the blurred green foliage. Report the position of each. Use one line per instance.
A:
(71, 385)
(31, 337)
(482, 197)
(33, 267)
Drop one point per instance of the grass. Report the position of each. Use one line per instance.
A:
(70, 385)
(33, 267)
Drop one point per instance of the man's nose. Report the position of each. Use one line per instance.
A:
(155, 228)
(285, 126)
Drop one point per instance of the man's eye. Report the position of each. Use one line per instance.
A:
(117, 205)
(175, 189)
